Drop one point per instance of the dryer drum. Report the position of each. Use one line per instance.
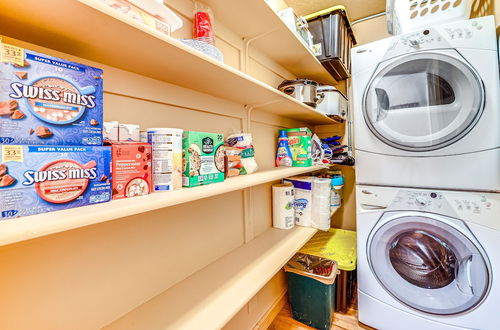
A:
(423, 259)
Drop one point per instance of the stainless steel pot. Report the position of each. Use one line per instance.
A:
(303, 90)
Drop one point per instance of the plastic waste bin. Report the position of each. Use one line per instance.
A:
(338, 245)
(311, 289)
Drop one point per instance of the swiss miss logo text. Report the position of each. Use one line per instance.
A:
(20, 90)
(61, 173)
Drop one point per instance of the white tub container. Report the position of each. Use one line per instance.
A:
(166, 154)
(332, 103)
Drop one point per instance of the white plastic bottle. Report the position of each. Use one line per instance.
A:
(336, 197)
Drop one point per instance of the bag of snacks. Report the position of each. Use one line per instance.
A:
(243, 142)
(202, 23)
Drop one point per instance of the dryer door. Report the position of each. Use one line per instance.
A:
(429, 262)
(423, 101)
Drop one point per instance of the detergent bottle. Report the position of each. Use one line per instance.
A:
(283, 154)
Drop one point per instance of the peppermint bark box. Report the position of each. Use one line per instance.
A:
(39, 179)
(48, 100)
(131, 169)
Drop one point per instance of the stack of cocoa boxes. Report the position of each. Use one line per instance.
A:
(52, 155)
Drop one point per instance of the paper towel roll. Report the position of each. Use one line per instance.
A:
(283, 206)
(321, 190)
(303, 198)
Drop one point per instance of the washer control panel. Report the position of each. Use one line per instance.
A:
(421, 200)
(475, 33)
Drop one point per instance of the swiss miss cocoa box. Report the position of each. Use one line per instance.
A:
(38, 179)
(48, 100)
(131, 169)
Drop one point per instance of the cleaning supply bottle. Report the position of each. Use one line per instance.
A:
(283, 154)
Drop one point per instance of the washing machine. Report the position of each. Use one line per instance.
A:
(428, 259)
(426, 108)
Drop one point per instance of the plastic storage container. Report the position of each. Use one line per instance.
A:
(338, 245)
(333, 40)
(311, 289)
(152, 13)
(332, 103)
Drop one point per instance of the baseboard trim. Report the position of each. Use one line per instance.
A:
(271, 314)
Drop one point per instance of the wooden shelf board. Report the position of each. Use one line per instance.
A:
(24, 228)
(276, 39)
(209, 298)
(100, 34)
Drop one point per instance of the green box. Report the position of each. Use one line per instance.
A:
(202, 158)
(300, 143)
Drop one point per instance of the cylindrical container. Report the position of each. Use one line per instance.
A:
(336, 199)
(283, 206)
(166, 146)
(143, 136)
(321, 199)
(303, 90)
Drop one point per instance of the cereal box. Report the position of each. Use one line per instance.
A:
(46, 100)
(131, 169)
(38, 179)
(203, 158)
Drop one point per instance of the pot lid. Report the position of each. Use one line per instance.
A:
(303, 81)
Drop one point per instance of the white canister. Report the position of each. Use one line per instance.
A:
(283, 206)
(303, 197)
(336, 197)
(166, 152)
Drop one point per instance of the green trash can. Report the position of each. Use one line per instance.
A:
(311, 289)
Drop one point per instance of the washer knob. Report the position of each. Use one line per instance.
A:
(415, 43)
(421, 201)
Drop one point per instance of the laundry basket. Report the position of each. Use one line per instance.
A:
(339, 245)
(404, 16)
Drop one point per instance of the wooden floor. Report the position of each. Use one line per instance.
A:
(284, 321)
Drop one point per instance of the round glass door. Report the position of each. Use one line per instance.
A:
(423, 101)
(425, 262)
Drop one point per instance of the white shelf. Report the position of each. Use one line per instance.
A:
(91, 30)
(209, 298)
(276, 40)
(24, 228)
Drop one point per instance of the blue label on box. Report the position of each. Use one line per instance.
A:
(38, 179)
(51, 101)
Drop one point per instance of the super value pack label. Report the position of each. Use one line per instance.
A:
(39, 179)
(48, 100)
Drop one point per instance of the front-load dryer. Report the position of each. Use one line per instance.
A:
(427, 108)
(428, 259)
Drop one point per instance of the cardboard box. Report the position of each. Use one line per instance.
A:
(39, 179)
(131, 169)
(203, 158)
(46, 100)
(300, 143)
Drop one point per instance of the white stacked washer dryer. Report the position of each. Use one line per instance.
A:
(427, 137)
(427, 108)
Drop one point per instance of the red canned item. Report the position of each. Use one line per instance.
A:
(65, 180)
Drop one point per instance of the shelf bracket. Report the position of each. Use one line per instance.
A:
(246, 44)
(250, 108)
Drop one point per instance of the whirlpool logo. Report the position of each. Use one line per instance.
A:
(301, 204)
